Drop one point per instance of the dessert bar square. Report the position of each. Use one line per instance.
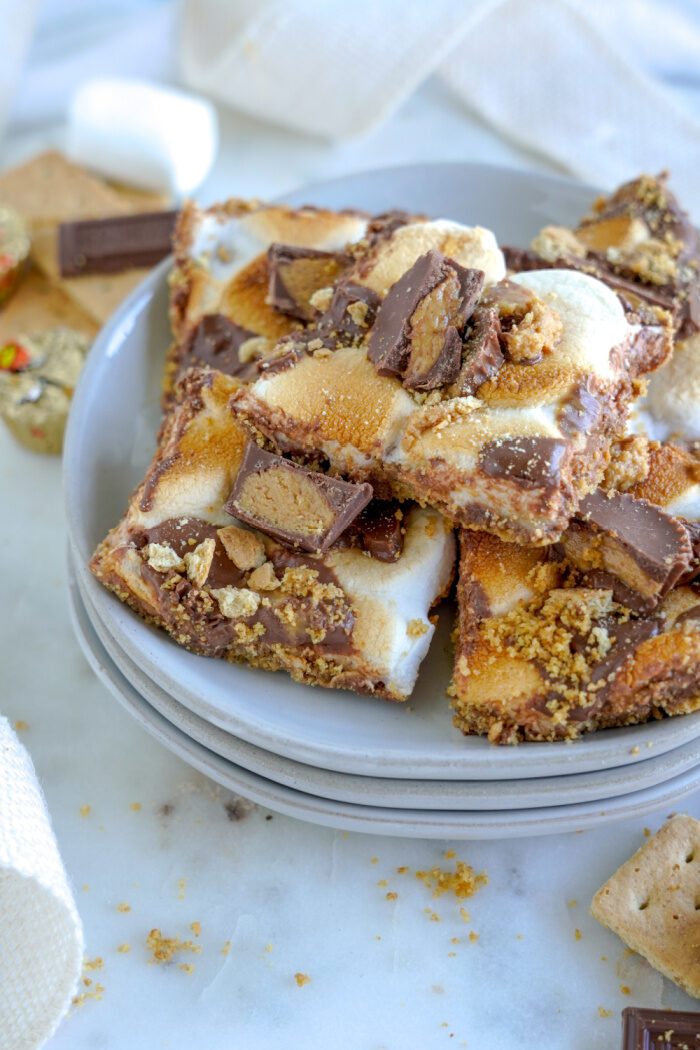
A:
(602, 629)
(435, 379)
(331, 586)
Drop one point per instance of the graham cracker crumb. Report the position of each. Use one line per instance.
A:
(302, 979)
(135, 807)
(392, 896)
(602, 1012)
(85, 811)
(94, 964)
(416, 628)
(123, 907)
(123, 949)
(21, 725)
(196, 928)
(462, 882)
(164, 949)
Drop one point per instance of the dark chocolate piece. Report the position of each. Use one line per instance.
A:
(293, 504)
(644, 547)
(580, 412)
(296, 273)
(377, 530)
(115, 244)
(660, 1029)
(215, 341)
(534, 462)
(482, 356)
(417, 330)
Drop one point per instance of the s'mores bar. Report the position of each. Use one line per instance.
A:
(639, 241)
(602, 629)
(434, 378)
(244, 555)
(243, 275)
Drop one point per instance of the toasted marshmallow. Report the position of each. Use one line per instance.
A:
(672, 404)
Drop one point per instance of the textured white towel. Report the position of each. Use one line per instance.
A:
(562, 78)
(41, 936)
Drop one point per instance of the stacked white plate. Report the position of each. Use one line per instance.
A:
(333, 757)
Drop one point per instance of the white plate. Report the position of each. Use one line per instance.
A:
(110, 439)
(369, 819)
(386, 791)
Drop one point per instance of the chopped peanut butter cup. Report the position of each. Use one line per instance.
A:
(297, 506)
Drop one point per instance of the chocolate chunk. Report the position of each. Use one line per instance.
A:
(581, 411)
(626, 639)
(183, 535)
(114, 244)
(297, 273)
(693, 571)
(481, 353)
(418, 325)
(659, 1029)
(297, 506)
(635, 540)
(216, 341)
(377, 530)
(603, 580)
(533, 462)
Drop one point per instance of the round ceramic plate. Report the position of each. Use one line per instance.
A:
(110, 439)
(410, 823)
(387, 791)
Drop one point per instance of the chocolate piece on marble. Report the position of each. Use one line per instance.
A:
(114, 244)
(414, 333)
(633, 539)
(533, 462)
(646, 1029)
(298, 506)
(296, 274)
(216, 342)
(482, 356)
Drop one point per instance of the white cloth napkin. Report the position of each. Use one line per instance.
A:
(565, 79)
(41, 936)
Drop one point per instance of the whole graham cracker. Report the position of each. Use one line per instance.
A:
(652, 902)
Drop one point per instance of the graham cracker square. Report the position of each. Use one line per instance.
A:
(653, 902)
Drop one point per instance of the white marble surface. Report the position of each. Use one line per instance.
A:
(289, 897)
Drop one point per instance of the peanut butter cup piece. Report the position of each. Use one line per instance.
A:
(482, 356)
(296, 274)
(533, 462)
(300, 507)
(216, 342)
(417, 331)
(634, 540)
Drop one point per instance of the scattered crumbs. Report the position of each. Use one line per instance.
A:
(186, 967)
(87, 981)
(94, 964)
(402, 870)
(86, 887)
(452, 955)
(21, 725)
(135, 807)
(602, 1012)
(603, 958)
(444, 1024)
(374, 860)
(196, 928)
(634, 750)
(572, 903)
(226, 948)
(473, 937)
(432, 915)
(85, 811)
(181, 886)
(123, 907)
(449, 854)
(268, 948)
(466, 917)
(520, 936)
(93, 993)
(237, 809)
(625, 989)
(463, 881)
(163, 949)
(578, 935)
(647, 833)
(302, 979)
(123, 949)
(382, 883)
(391, 896)
(455, 940)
